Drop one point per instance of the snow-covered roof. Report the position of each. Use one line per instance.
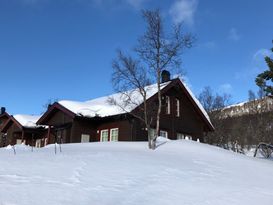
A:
(101, 106)
(27, 120)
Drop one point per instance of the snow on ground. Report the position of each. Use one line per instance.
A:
(127, 173)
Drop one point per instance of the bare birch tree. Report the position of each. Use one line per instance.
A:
(130, 79)
(155, 52)
(159, 52)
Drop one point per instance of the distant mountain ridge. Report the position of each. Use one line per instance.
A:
(245, 108)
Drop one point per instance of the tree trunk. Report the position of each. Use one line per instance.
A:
(158, 111)
(150, 137)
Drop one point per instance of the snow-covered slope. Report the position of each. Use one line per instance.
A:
(127, 173)
(249, 107)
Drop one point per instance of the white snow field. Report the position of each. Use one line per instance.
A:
(128, 173)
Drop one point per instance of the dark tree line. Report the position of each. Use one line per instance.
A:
(251, 125)
(241, 132)
(211, 101)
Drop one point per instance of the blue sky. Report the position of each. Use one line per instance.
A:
(60, 49)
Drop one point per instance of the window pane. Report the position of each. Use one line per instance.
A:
(152, 132)
(104, 135)
(180, 136)
(114, 134)
(177, 108)
(163, 134)
(85, 138)
(38, 143)
(168, 105)
(18, 141)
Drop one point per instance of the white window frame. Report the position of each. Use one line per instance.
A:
(163, 131)
(38, 143)
(107, 135)
(113, 129)
(46, 141)
(177, 107)
(168, 105)
(85, 135)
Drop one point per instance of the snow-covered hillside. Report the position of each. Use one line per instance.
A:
(178, 172)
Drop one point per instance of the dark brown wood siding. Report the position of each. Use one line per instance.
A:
(81, 126)
(59, 118)
(13, 133)
(27, 135)
(3, 120)
(124, 132)
(188, 123)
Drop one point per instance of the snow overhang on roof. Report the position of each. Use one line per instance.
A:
(28, 121)
(101, 106)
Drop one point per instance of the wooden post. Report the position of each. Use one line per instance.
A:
(13, 147)
(56, 142)
(61, 141)
(32, 140)
(48, 135)
(23, 136)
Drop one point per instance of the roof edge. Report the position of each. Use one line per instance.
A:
(49, 111)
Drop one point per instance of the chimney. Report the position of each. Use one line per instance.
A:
(3, 110)
(165, 76)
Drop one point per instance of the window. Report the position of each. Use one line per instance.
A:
(18, 141)
(114, 134)
(38, 143)
(163, 133)
(85, 138)
(177, 107)
(103, 135)
(46, 140)
(168, 105)
(180, 136)
(152, 132)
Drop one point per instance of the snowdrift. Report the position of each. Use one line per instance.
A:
(178, 172)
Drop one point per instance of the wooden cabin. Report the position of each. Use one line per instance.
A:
(22, 129)
(4, 116)
(182, 117)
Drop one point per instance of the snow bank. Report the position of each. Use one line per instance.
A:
(127, 173)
